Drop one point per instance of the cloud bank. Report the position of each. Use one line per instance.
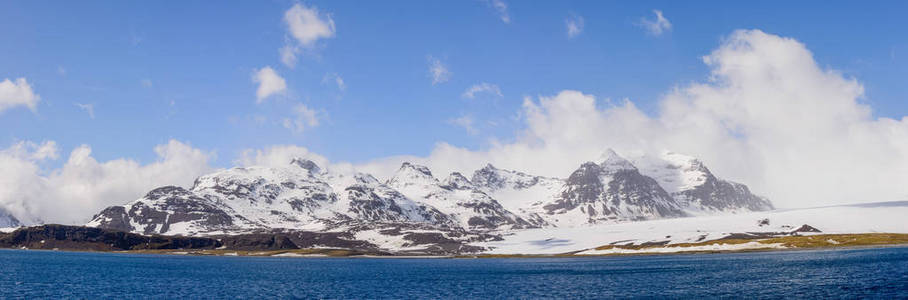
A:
(768, 116)
(83, 186)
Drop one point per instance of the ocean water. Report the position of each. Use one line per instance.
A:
(859, 273)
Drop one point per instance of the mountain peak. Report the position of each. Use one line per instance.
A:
(611, 161)
(306, 164)
(409, 174)
(457, 181)
(407, 166)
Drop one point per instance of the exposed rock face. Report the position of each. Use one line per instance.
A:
(8, 220)
(611, 190)
(722, 195)
(89, 238)
(161, 208)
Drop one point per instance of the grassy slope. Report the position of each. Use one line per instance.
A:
(789, 242)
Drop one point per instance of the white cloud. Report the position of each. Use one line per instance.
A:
(768, 116)
(574, 26)
(17, 93)
(61, 70)
(438, 71)
(501, 8)
(88, 108)
(303, 117)
(466, 122)
(306, 26)
(470, 93)
(83, 186)
(270, 83)
(146, 83)
(656, 26)
(336, 79)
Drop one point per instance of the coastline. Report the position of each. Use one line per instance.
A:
(789, 243)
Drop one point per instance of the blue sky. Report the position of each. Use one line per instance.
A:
(182, 70)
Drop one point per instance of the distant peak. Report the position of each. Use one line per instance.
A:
(418, 168)
(683, 161)
(610, 160)
(410, 174)
(306, 164)
(365, 178)
(457, 181)
(609, 152)
(457, 175)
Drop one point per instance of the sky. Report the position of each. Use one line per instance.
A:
(101, 101)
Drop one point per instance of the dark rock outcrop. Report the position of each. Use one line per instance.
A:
(90, 238)
(602, 192)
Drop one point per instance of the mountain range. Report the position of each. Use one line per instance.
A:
(414, 208)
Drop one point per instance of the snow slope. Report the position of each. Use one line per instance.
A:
(888, 217)
(456, 197)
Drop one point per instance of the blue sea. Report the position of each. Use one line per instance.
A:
(856, 273)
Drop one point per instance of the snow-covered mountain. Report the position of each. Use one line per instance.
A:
(7, 219)
(609, 190)
(414, 206)
(519, 192)
(456, 197)
(298, 196)
(696, 189)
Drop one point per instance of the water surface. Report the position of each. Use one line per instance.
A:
(876, 273)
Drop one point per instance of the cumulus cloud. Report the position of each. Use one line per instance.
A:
(470, 93)
(306, 26)
(88, 108)
(270, 83)
(656, 26)
(574, 26)
(83, 186)
(17, 93)
(768, 116)
(438, 71)
(303, 117)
